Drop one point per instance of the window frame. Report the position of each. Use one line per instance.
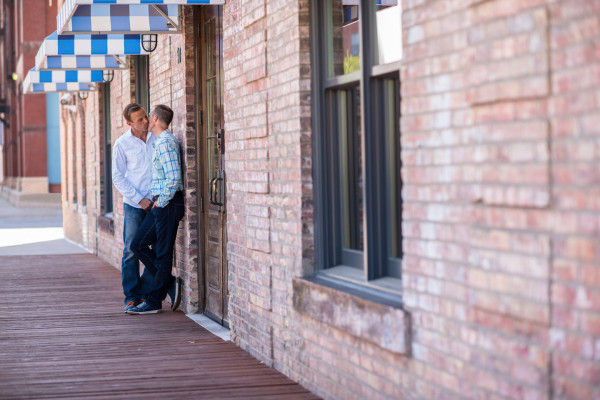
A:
(142, 81)
(107, 150)
(377, 261)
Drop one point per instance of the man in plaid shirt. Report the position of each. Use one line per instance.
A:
(159, 228)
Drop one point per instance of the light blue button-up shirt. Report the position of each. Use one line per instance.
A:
(132, 167)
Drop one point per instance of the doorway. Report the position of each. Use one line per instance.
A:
(212, 223)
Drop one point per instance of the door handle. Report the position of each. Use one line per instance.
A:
(213, 190)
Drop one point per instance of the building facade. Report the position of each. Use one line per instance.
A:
(378, 210)
(30, 132)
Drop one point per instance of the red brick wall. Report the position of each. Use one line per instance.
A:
(500, 270)
(267, 120)
(574, 38)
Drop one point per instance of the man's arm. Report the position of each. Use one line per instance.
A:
(119, 168)
(168, 155)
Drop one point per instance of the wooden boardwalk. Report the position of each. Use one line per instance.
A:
(64, 335)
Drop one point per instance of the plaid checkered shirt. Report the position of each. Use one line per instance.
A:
(166, 168)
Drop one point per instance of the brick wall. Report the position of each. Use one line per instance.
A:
(500, 271)
(574, 40)
(267, 120)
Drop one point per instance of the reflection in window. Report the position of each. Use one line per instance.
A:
(389, 33)
(344, 42)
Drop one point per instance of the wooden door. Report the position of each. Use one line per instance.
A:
(213, 222)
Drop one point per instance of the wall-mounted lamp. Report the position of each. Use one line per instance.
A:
(83, 95)
(108, 75)
(149, 42)
(15, 76)
(66, 99)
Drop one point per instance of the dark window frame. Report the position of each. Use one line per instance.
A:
(377, 84)
(107, 150)
(142, 81)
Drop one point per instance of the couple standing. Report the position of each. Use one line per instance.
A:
(147, 172)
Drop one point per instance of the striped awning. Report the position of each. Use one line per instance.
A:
(83, 62)
(64, 76)
(57, 87)
(122, 16)
(60, 81)
(86, 45)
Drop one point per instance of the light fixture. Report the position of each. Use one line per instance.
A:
(149, 42)
(83, 95)
(108, 75)
(15, 76)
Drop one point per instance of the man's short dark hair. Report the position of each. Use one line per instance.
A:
(130, 109)
(164, 113)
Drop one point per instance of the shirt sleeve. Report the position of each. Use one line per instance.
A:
(168, 155)
(119, 169)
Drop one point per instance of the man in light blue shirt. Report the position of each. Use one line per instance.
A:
(132, 176)
(155, 239)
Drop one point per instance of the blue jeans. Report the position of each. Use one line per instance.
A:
(159, 230)
(135, 287)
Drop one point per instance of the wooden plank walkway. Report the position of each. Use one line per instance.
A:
(64, 335)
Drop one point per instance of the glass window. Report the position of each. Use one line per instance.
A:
(342, 38)
(356, 111)
(389, 33)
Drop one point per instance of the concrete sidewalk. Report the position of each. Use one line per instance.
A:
(33, 231)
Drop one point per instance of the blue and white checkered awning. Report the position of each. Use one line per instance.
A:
(59, 76)
(58, 87)
(114, 44)
(117, 18)
(83, 62)
(122, 16)
(60, 81)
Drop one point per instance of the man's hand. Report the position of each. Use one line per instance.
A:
(146, 204)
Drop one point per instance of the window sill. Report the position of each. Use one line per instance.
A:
(384, 287)
(106, 224)
(368, 314)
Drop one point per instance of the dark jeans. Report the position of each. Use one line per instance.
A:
(159, 230)
(135, 287)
